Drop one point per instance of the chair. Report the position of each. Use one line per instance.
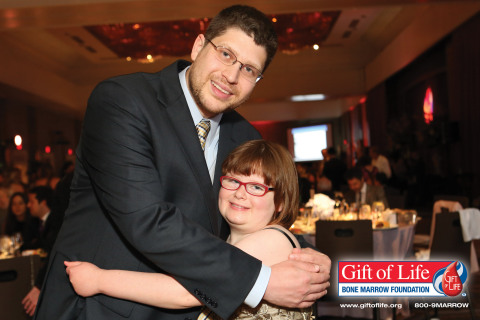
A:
(344, 240)
(447, 239)
(441, 205)
(463, 200)
(17, 277)
(447, 243)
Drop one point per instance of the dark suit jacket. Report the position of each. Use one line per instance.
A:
(142, 199)
(374, 193)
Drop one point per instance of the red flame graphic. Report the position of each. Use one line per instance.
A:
(451, 283)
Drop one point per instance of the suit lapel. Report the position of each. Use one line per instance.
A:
(183, 127)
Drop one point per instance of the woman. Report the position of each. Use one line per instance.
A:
(259, 200)
(20, 221)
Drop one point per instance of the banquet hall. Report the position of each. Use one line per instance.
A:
(401, 76)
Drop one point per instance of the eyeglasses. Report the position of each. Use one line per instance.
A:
(228, 58)
(253, 188)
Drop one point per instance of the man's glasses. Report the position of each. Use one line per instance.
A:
(228, 58)
(253, 188)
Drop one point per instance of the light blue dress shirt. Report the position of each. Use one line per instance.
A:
(211, 149)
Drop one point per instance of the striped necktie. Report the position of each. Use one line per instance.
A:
(203, 127)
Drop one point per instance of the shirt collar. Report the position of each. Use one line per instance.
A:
(45, 217)
(192, 106)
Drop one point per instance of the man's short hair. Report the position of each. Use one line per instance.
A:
(354, 173)
(331, 151)
(251, 21)
(43, 193)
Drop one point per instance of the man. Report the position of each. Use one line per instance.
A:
(144, 193)
(40, 204)
(360, 192)
(334, 169)
(49, 206)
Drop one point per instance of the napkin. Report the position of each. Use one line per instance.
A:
(470, 221)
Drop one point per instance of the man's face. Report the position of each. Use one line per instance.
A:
(216, 87)
(34, 206)
(355, 184)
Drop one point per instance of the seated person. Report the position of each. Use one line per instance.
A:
(370, 172)
(360, 192)
(259, 199)
(19, 220)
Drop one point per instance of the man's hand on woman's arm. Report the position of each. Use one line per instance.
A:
(300, 281)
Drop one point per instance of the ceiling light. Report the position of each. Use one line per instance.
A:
(308, 97)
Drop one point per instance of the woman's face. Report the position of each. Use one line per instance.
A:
(19, 207)
(244, 212)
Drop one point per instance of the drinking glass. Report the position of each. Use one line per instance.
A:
(365, 212)
(17, 242)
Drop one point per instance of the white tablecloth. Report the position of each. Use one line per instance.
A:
(393, 244)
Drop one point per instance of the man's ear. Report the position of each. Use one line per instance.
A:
(197, 46)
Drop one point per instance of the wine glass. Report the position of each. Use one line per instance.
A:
(17, 242)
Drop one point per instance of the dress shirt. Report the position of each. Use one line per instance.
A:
(361, 197)
(211, 144)
(44, 218)
(211, 149)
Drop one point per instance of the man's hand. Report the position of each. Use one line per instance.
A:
(30, 301)
(300, 281)
(312, 256)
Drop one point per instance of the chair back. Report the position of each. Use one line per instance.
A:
(463, 200)
(447, 242)
(17, 277)
(343, 240)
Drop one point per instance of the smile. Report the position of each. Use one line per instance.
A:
(237, 206)
(221, 89)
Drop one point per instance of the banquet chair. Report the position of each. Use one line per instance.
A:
(448, 244)
(463, 200)
(17, 277)
(344, 240)
(444, 204)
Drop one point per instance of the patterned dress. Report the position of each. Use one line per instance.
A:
(265, 310)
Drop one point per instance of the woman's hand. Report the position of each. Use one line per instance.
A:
(84, 277)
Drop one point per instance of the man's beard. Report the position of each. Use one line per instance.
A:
(196, 92)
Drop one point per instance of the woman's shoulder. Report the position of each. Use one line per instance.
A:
(271, 244)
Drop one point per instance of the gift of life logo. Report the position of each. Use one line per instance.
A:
(450, 280)
(401, 278)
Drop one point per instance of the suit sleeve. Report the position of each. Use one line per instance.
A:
(116, 150)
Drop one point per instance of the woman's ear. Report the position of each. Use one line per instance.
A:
(197, 46)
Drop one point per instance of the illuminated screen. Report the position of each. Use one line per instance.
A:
(307, 143)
